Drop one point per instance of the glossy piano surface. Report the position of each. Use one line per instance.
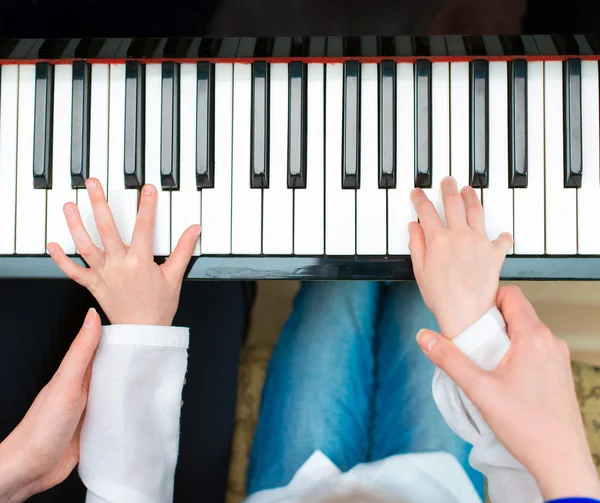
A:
(309, 49)
(325, 268)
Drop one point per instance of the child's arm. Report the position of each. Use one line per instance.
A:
(506, 385)
(130, 435)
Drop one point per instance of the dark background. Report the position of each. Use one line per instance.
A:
(135, 18)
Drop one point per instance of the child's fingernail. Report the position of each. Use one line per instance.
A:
(68, 210)
(426, 340)
(90, 318)
(147, 190)
(91, 184)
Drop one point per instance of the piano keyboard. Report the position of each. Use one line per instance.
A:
(301, 156)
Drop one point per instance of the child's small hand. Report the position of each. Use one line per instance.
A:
(130, 287)
(456, 267)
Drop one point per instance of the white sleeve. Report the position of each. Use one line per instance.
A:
(130, 434)
(486, 343)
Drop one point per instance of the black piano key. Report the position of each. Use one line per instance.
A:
(299, 47)
(259, 156)
(177, 47)
(42, 136)
(421, 47)
(134, 124)
(142, 47)
(89, 48)
(351, 126)
(263, 47)
(205, 154)
(387, 125)
(423, 124)
(387, 46)
(53, 48)
(475, 46)
(517, 124)
(297, 126)
(80, 124)
(572, 123)
(478, 170)
(169, 151)
(352, 47)
(209, 47)
(566, 45)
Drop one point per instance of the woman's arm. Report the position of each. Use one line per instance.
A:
(44, 448)
(514, 397)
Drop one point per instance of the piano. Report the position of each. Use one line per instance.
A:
(297, 154)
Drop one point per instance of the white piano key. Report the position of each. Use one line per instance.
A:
(561, 203)
(123, 202)
(161, 245)
(216, 202)
(460, 124)
(440, 133)
(309, 218)
(498, 197)
(8, 157)
(371, 204)
(340, 217)
(529, 203)
(246, 211)
(57, 230)
(400, 209)
(186, 202)
(99, 105)
(31, 203)
(278, 200)
(588, 196)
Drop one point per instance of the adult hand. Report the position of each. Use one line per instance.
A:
(130, 287)
(44, 448)
(456, 267)
(529, 400)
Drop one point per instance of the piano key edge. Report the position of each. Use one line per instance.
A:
(586, 268)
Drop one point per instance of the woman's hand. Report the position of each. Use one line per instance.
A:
(456, 267)
(130, 287)
(44, 448)
(528, 401)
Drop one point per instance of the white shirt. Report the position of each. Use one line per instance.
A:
(130, 435)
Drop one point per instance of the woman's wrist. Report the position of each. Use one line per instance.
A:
(15, 485)
(568, 477)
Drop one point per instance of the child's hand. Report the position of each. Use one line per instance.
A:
(457, 267)
(131, 288)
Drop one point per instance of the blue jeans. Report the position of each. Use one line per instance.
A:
(348, 378)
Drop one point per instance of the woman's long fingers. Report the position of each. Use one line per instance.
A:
(79, 274)
(473, 209)
(93, 256)
(454, 207)
(105, 223)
